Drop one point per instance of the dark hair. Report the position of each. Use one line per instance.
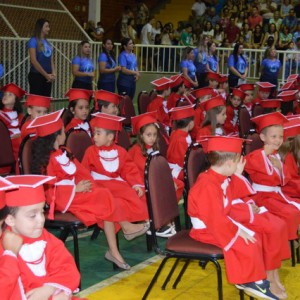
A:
(12, 210)
(38, 30)
(235, 53)
(81, 44)
(17, 106)
(3, 212)
(210, 118)
(124, 42)
(218, 158)
(41, 150)
(187, 25)
(176, 88)
(209, 44)
(182, 123)
(129, 20)
(70, 114)
(141, 143)
(109, 54)
(102, 103)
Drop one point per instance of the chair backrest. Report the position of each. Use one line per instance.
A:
(143, 101)
(257, 110)
(256, 143)
(6, 153)
(123, 139)
(78, 140)
(160, 191)
(25, 118)
(244, 122)
(152, 94)
(163, 140)
(195, 162)
(64, 116)
(25, 157)
(126, 110)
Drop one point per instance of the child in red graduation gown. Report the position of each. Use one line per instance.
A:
(36, 106)
(180, 140)
(47, 269)
(177, 91)
(209, 205)
(78, 110)
(268, 174)
(248, 89)
(11, 114)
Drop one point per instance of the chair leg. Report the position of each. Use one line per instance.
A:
(219, 277)
(178, 279)
(64, 233)
(95, 233)
(155, 278)
(74, 233)
(163, 287)
(293, 253)
(149, 243)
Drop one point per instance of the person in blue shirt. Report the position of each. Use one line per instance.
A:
(238, 66)
(212, 58)
(129, 73)
(42, 70)
(1, 71)
(107, 67)
(83, 67)
(200, 61)
(187, 66)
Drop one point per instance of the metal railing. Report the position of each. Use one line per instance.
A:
(156, 59)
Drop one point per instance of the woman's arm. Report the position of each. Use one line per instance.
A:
(77, 73)
(104, 70)
(185, 74)
(37, 66)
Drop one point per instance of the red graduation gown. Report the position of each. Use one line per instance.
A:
(172, 100)
(209, 205)
(267, 181)
(26, 131)
(92, 207)
(137, 156)
(198, 120)
(77, 123)
(113, 168)
(231, 123)
(157, 104)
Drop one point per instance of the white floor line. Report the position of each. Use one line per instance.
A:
(119, 276)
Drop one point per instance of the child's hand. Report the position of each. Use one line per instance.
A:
(255, 208)
(275, 162)
(246, 237)
(83, 186)
(41, 293)
(61, 296)
(12, 241)
(176, 187)
(240, 166)
(268, 149)
(139, 191)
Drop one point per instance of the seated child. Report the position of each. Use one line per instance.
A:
(270, 105)
(177, 91)
(248, 89)
(209, 204)
(36, 106)
(107, 102)
(263, 91)
(223, 86)
(290, 155)
(183, 121)
(75, 190)
(231, 125)
(214, 118)
(47, 269)
(268, 174)
(288, 97)
(78, 110)
(11, 115)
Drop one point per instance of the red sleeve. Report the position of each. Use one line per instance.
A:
(136, 155)
(177, 149)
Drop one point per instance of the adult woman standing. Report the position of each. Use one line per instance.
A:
(42, 70)
(200, 54)
(129, 73)
(83, 67)
(238, 66)
(212, 58)
(188, 68)
(107, 67)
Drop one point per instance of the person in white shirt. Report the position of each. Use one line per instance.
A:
(198, 11)
(146, 32)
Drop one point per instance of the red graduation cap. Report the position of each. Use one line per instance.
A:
(222, 144)
(162, 83)
(289, 95)
(213, 102)
(75, 94)
(176, 80)
(141, 120)
(37, 100)
(288, 86)
(213, 76)
(265, 86)
(270, 103)
(47, 124)
(106, 121)
(223, 78)
(107, 96)
(13, 88)
(293, 77)
(182, 112)
(204, 92)
(238, 93)
(246, 87)
(292, 127)
(31, 190)
(263, 121)
(5, 185)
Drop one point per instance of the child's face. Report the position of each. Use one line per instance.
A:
(28, 221)
(81, 109)
(263, 95)
(221, 117)
(102, 138)
(249, 97)
(9, 100)
(61, 138)
(213, 83)
(273, 136)
(37, 111)
(149, 135)
(235, 101)
(231, 166)
(111, 109)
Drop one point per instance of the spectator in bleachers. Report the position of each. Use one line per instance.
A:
(186, 38)
(257, 37)
(208, 30)
(167, 54)
(276, 20)
(83, 67)
(285, 37)
(42, 70)
(247, 33)
(212, 17)
(218, 35)
(231, 33)
(107, 67)
(146, 33)
(267, 10)
(272, 32)
(296, 34)
(132, 33)
(91, 31)
(255, 18)
(231, 7)
(225, 18)
(198, 11)
(297, 10)
(177, 33)
(197, 31)
(126, 15)
(290, 21)
(286, 6)
(100, 29)
(156, 29)
(200, 54)
(240, 19)
(187, 66)
(142, 16)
